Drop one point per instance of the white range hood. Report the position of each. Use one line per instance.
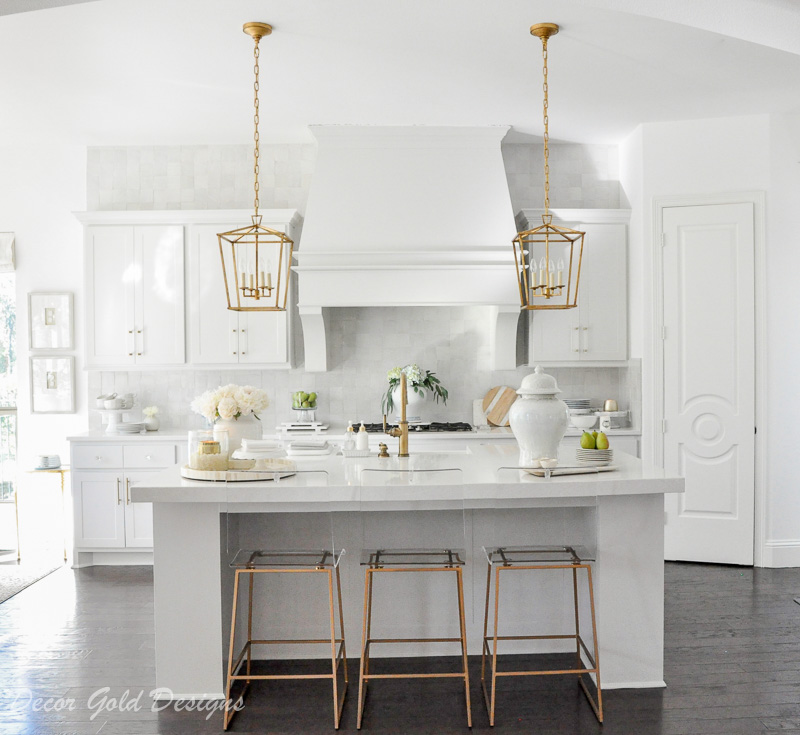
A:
(408, 216)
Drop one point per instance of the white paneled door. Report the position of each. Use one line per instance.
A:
(709, 380)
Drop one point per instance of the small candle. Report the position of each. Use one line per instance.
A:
(243, 280)
(551, 275)
(560, 272)
(542, 272)
(269, 279)
(534, 279)
(252, 279)
(261, 279)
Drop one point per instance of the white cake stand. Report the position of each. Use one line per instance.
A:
(114, 417)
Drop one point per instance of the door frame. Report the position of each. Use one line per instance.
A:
(656, 346)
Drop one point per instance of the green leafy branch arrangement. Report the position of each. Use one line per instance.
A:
(416, 381)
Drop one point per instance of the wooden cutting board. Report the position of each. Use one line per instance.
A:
(496, 404)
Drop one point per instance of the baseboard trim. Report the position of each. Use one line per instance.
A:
(779, 553)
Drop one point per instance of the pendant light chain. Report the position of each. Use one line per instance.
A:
(256, 153)
(546, 135)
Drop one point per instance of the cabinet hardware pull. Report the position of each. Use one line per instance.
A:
(127, 491)
(119, 499)
(138, 331)
(234, 352)
(130, 354)
(139, 354)
(99, 459)
(130, 331)
(233, 330)
(242, 351)
(148, 457)
(242, 331)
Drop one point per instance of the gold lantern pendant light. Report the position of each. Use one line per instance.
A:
(250, 253)
(548, 258)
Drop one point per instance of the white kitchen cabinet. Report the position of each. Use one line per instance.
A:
(217, 335)
(134, 295)
(596, 331)
(108, 527)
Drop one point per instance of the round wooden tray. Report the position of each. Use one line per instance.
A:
(280, 468)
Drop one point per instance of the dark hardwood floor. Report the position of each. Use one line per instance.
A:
(732, 667)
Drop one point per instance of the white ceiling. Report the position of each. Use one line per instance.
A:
(125, 72)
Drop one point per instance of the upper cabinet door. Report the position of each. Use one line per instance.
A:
(217, 334)
(597, 329)
(602, 299)
(213, 328)
(263, 337)
(110, 275)
(159, 328)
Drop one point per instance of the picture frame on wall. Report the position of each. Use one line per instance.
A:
(50, 321)
(52, 384)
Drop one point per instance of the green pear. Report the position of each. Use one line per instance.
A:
(594, 434)
(602, 441)
(587, 441)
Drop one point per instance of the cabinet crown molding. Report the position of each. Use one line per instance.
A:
(186, 216)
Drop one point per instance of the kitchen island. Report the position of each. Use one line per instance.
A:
(477, 497)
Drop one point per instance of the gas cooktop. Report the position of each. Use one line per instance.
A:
(434, 426)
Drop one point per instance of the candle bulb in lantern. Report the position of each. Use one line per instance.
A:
(269, 279)
(251, 278)
(550, 275)
(534, 279)
(261, 279)
(542, 272)
(560, 271)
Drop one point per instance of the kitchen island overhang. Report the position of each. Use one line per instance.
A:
(195, 524)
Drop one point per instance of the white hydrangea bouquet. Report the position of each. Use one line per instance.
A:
(230, 402)
(416, 381)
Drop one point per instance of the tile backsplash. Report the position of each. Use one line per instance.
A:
(364, 344)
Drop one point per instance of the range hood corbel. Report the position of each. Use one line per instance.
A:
(408, 216)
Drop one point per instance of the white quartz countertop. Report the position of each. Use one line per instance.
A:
(481, 476)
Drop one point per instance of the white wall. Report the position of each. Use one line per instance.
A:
(783, 308)
(40, 187)
(748, 153)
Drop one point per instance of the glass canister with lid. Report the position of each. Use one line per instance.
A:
(208, 450)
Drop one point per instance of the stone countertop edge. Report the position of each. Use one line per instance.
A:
(479, 482)
(336, 434)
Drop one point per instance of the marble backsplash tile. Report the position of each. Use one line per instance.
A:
(364, 344)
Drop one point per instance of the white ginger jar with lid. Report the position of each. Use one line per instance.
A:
(538, 418)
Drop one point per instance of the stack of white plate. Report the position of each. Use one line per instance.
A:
(48, 462)
(130, 428)
(594, 456)
(580, 404)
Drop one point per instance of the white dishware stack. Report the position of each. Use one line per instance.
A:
(595, 457)
(259, 449)
(310, 448)
(48, 462)
(132, 427)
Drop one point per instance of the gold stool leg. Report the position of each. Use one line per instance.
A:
(250, 625)
(463, 629)
(366, 632)
(341, 626)
(334, 674)
(598, 708)
(227, 715)
(494, 643)
(485, 631)
(578, 662)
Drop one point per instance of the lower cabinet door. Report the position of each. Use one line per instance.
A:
(138, 516)
(99, 509)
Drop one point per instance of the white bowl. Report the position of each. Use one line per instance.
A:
(583, 422)
(113, 403)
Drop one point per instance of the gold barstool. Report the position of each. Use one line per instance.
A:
(286, 562)
(388, 561)
(540, 558)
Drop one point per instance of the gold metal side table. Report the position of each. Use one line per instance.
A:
(59, 471)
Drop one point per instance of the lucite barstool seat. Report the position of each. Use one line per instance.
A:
(381, 561)
(540, 558)
(304, 561)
